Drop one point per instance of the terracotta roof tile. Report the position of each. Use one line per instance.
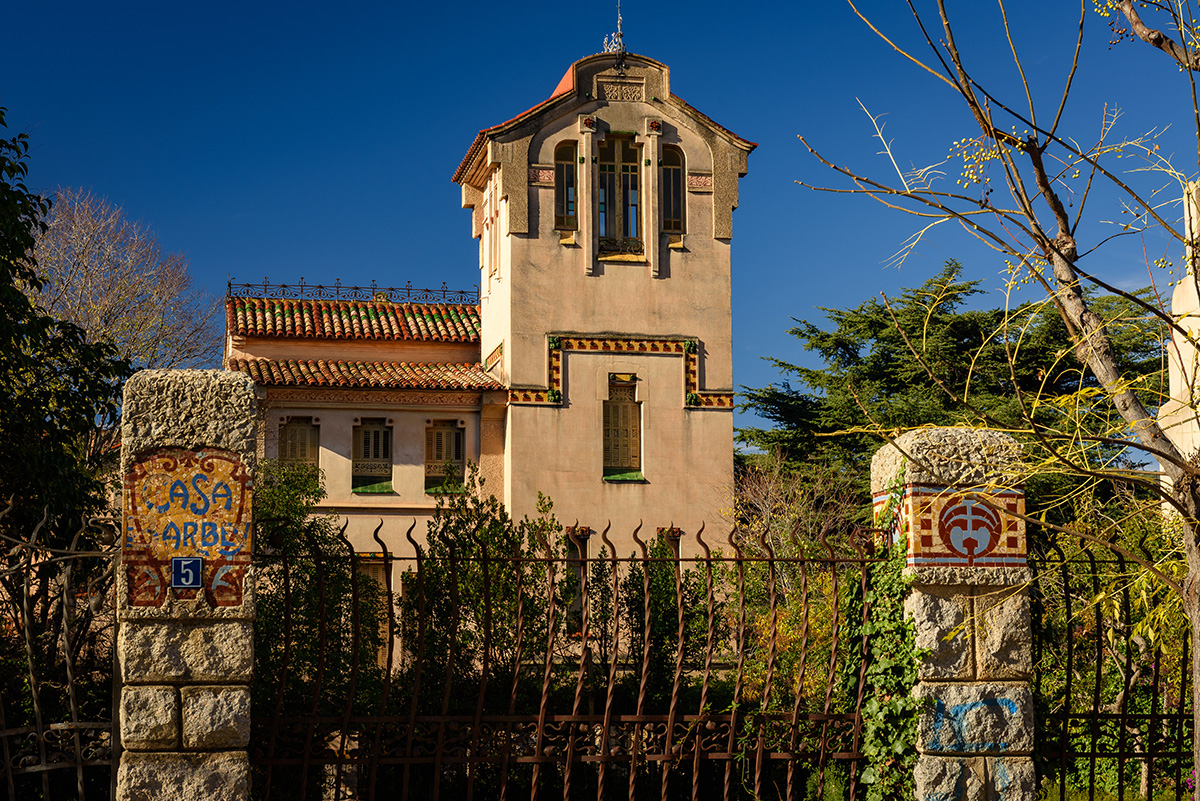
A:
(377, 375)
(352, 319)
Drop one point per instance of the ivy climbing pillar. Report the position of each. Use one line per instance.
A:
(950, 495)
(185, 596)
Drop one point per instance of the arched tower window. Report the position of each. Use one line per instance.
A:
(565, 216)
(673, 206)
(620, 197)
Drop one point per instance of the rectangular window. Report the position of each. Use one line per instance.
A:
(372, 470)
(622, 429)
(445, 452)
(300, 441)
(564, 186)
(672, 191)
(620, 206)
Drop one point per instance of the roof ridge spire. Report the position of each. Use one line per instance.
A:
(615, 42)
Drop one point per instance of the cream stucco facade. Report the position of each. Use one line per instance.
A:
(596, 368)
(1179, 415)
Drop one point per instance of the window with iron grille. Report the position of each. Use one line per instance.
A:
(564, 187)
(673, 196)
(300, 441)
(444, 452)
(618, 214)
(372, 471)
(622, 429)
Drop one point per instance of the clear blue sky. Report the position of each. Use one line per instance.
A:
(318, 140)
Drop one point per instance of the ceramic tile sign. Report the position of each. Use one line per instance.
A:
(187, 513)
(952, 528)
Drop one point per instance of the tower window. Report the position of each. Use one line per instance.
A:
(622, 429)
(564, 187)
(672, 191)
(619, 197)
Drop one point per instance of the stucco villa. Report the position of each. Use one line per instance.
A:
(593, 366)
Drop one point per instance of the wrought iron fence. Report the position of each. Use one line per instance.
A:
(1112, 678)
(567, 671)
(404, 294)
(57, 625)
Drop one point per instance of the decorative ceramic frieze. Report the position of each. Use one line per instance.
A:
(540, 175)
(693, 396)
(496, 357)
(699, 182)
(955, 528)
(368, 397)
(619, 91)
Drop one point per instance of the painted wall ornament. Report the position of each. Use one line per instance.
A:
(952, 528)
(187, 504)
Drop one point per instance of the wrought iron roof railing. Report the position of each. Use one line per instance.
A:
(404, 294)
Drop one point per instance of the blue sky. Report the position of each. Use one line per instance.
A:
(318, 141)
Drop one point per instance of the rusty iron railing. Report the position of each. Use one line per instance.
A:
(57, 626)
(403, 294)
(1113, 699)
(680, 671)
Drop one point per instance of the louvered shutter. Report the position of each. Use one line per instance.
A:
(299, 441)
(372, 449)
(622, 429)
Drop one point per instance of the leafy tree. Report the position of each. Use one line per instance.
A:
(54, 385)
(478, 612)
(923, 359)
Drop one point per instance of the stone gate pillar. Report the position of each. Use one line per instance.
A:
(948, 492)
(185, 596)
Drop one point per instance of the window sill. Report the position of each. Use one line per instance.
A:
(379, 488)
(624, 477)
(624, 258)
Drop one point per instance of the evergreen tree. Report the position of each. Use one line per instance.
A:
(925, 359)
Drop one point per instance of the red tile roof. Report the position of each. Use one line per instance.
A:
(370, 375)
(352, 319)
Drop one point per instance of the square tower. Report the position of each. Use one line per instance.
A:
(604, 216)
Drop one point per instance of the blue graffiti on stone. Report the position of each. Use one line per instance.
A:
(951, 724)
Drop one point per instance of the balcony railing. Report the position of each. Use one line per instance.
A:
(404, 294)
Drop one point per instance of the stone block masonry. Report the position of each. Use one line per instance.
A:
(185, 593)
(951, 494)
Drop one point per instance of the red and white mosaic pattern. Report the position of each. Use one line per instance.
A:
(949, 527)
